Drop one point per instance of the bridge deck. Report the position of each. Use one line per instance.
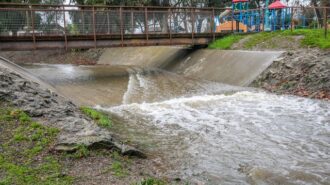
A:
(114, 40)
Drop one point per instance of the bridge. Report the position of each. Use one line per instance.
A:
(28, 27)
(47, 26)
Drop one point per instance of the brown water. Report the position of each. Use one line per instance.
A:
(207, 132)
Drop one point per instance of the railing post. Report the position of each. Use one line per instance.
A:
(65, 37)
(291, 19)
(83, 21)
(186, 21)
(94, 29)
(108, 21)
(154, 22)
(325, 23)
(262, 19)
(121, 26)
(33, 33)
(232, 20)
(132, 21)
(192, 26)
(146, 29)
(170, 25)
(213, 24)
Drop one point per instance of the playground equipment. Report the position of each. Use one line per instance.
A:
(242, 19)
(279, 16)
(270, 17)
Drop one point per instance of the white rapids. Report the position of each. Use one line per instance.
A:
(246, 137)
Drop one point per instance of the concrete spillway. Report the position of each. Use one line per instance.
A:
(204, 131)
(230, 67)
(4, 63)
(225, 66)
(151, 57)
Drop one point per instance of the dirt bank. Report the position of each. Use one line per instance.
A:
(301, 70)
(77, 56)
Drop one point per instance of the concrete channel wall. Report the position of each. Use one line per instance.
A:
(226, 66)
(5, 63)
(150, 57)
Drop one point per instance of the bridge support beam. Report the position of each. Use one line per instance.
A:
(28, 45)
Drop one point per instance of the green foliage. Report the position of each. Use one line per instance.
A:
(312, 38)
(24, 144)
(259, 38)
(226, 42)
(82, 151)
(118, 169)
(101, 119)
(151, 181)
(73, 29)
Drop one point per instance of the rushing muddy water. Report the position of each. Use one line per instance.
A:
(204, 131)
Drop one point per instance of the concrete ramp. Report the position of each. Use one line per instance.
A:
(4, 63)
(152, 56)
(226, 66)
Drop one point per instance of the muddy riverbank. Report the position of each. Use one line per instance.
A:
(59, 56)
(301, 72)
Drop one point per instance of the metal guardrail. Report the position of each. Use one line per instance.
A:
(144, 25)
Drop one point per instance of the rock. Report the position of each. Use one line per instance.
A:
(130, 151)
(290, 53)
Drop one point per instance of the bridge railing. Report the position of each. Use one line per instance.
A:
(68, 20)
(33, 22)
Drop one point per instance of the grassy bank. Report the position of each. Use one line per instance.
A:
(24, 150)
(100, 118)
(226, 42)
(27, 157)
(311, 38)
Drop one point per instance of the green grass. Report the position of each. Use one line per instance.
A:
(24, 157)
(258, 38)
(118, 169)
(226, 42)
(101, 119)
(312, 38)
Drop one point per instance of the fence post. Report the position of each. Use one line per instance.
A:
(64, 22)
(170, 25)
(193, 26)
(232, 20)
(94, 29)
(291, 19)
(108, 21)
(262, 20)
(213, 24)
(325, 23)
(132, 21)
(33, 33)
(121, 26)
(146, 29)
(153, 21)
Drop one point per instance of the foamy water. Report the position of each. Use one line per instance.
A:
(246, 137)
